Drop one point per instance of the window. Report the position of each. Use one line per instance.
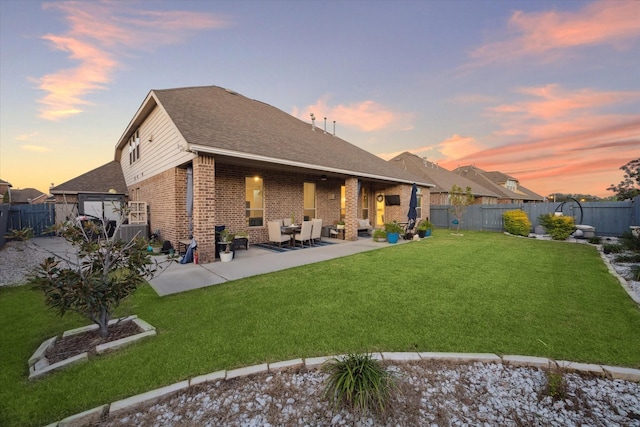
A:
(511, 185)
(365, 204)
(309, 201)
(134, 148)
(254, 200)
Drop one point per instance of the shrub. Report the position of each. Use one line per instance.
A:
(516, 222)
(634, 273)
(358, 382)
(558, 227)
(595, 240)
(628, 258)
(611, 248)
(630, 242)
(556, 385)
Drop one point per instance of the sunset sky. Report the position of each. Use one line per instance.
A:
(545, 91)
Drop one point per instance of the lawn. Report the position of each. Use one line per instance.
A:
(482, 292)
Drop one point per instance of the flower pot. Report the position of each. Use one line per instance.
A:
(156, 249)
(421, 233)
(393, 237)
(340, 226)
(226, 256)
(427, 233)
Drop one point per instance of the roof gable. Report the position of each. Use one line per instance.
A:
(441, 177)
(212, 118)
(485, 178)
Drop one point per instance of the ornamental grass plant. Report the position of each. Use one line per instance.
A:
(359, 383)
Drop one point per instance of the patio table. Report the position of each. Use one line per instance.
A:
(291, 230)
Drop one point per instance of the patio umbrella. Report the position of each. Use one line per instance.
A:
(190, 199)
(413, 203)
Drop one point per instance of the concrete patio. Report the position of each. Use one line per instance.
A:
(175, 277)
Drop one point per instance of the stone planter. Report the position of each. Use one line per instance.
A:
(635, 230)
(39, 365)
(226, 256)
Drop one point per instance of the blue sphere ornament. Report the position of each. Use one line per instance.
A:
(455, 222)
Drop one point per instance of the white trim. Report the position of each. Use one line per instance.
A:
(249, 156)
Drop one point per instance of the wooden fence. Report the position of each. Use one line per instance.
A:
(609, 218)
(16, 217)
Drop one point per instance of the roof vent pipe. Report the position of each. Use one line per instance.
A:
(334, 128)
(325, 125)
(313, 122)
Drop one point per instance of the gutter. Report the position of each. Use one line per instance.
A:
(196, 149)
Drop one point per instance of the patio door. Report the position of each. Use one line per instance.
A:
(379, 219)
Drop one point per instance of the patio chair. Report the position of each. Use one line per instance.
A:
(275, 233)
(305, 233)
(316, 230)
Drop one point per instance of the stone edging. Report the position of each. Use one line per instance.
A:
(39, 365)
(623, 282)
(93, 415)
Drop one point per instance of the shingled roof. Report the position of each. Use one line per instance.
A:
(222, 122)
(494, 181)
(27, 195)
(442, 178)
(99, 180)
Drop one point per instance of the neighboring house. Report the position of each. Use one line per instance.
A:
(443, 179)
(507, 187)
(91, 193)
(202, 157)
(5, 191)
(27, 196)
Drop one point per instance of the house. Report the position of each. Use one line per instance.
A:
(5, 191)
(507, 187)
(92, 193)
(203, 157)
(28, 196)
(443, 180)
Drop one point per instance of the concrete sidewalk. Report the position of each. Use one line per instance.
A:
(175, 277)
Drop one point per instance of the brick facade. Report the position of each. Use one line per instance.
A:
(219, 199)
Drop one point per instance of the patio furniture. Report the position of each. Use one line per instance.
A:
(240, 242)
(316, 230)
(305, 233)
(364, 226)
(275, 233)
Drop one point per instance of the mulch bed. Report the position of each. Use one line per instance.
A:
(73, 345)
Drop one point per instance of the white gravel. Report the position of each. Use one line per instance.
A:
(17, 260)
(429, 394)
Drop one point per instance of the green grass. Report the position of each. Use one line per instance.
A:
(482, 292)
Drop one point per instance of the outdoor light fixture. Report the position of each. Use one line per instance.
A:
(323, 177)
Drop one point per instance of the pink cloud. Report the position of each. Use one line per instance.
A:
(544, 34)
(98, 34)
(366, 116)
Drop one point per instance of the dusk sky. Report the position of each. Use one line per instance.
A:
(545, 91)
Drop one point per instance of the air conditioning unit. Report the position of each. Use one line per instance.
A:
(129, 231)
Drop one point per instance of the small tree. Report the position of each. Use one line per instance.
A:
(460, 199)
(628, 187)
(104, 272)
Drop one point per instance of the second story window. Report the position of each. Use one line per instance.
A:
(134, 148)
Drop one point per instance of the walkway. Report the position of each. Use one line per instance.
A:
(175, 277)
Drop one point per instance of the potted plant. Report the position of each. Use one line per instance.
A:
(393, 230)
(226, 237)
(155, 245)
(340, 225)
(379, 235)
(424, 228)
